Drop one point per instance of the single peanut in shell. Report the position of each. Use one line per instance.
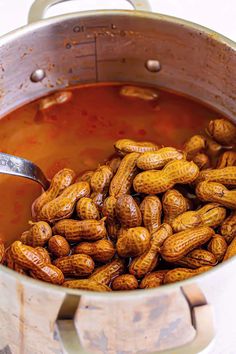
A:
(144, 93)
(98, 199)
(105, 274)
(155, 181)
(179, 274)
(216, 192)
(77, 265)
(86, 209)
(133, 242)
(218, 247)
(101, 178)
(231, 250)
(226, 159)
(58, 246)
(123, 179)
(194, 145)
(226, 175)
(174, 204)
(101, 250)
(49, 273)
(125, 146)
(125, 282)
(223, 131)
(38, 235)
(202, 161)
(151, 210)
(157, 159)
(26, 257)
(198, 258)
(127, 211)
(109, 208)
(113, 230)
(44, 254)
(179, 245)
(55, 99)
(114, 163)
(153, 279)
(86, 284)
(85, 177)
(228, 227)
(78, 230)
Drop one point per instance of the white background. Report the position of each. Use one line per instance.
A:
(220, 15)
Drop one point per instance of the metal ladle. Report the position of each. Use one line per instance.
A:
(17, 166)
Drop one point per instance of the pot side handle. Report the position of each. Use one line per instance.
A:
(201, 315)
(40, 7)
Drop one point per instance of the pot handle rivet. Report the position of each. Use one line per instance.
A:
(37, 75)
(153, 65)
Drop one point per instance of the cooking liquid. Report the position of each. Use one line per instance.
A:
(80, 134)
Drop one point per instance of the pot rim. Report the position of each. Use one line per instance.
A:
(15, 34)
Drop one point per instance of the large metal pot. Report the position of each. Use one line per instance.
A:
(136, 46)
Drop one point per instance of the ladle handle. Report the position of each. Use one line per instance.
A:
(200, 311)
(39, 8)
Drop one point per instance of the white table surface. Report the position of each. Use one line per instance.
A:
(216, 14)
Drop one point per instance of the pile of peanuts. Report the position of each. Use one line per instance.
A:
(148, 216)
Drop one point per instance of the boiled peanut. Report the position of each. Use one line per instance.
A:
(2, 250)
(49, 273)
(174, 204)
(148, 260)
(8, 261)
(194, 145)
(77, 265)
(76, 230)
(109, 208)
(179, 274)
(98, 199)
(85, 177)
(153, 279)
(26, 256)
(113, 230)
(217, 246)
(198, 258)
(226, 175)
(38, 235)
(223, 131)
(143, 93)
(105, 274)
(216, 192)
(157, 159)
(231, 250)
(86, 284)
(127, 211)
(101, 178)
(228, 227)
(133, 242)
(86, 209)
(210, 215)
(226, 159)
(151, 209)
(154, 182)
(202, 161)
(100, 251)
(178, 245)
(114, 164)
(60, 181)
(123, 179)
(44, 254)
(63, 206)
(55, 99)
(125, 282)
(58, 246)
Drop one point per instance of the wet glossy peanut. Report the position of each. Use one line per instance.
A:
(105, 274)
(2, 250)
(179, 274)
(216, 192)
(180, 244)
(157, 159)
(151, 210)
(127, 211)
(228, 227)
(86, 284)
(218, 247)
(194, 145)
(198, 258)
(77, 265)
(226, 175)
(154, 182)
(86, 209)
(101, 178)
(113, 230)
(60, 181)
(38, 235)
(26, 257)
(202, 161)
(109, 208)
(85, 177)
(98, 199)
(123, 179)
(58, 246)
(76, 230)
(63, 206)
(114, 164)
(149, 259)
(125, 282)
(231, 250)
(143, 93)
(226, 159)
(153, 279)
(174, 204)
(223, 131)
(101, 250)
(44, 254)
(133, 242)
(55, 99)
(210, 215)
(49, 273)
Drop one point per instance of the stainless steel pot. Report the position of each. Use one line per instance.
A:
(98, 46)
